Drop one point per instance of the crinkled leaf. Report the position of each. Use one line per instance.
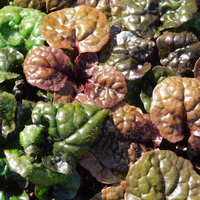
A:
(20, 28)
(174, 13)
(178, 51)
(109, 7)
(10, 59)
(32, 139)
(83, 27)
(5, 76)
(47, 5)
(8, 106)
(74, 123)
(141, 16)
(182, 59)
(175, 107)
(46, 68)
(147, 16)
(162, 175)
(130, 54)
(106, 87)
(170, 41)
(130, 121)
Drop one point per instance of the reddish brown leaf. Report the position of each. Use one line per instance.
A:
(106, 87)
(83, 27)
(175, 108)
(46, 68)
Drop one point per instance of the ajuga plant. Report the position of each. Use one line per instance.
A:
(99, 99)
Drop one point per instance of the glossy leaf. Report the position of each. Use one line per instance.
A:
(162, 175)
(10, 181)
(20, 28)
(106, 87)
(175, 13)
(182, 59)
(80, 27)
(10, 60)
(130, 55)
(146, 17)
(109, 7)
(74, 123)
(32, 138)
(7, 113)
(5, 76)
(36, 173)
(46, 68)
(141, 17)
(170, 41)
(175, 107)
(130, 121)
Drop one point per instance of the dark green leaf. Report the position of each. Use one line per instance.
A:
(8, 106)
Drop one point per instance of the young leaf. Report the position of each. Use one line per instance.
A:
(106, 87)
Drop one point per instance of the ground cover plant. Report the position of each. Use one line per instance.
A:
(99, 100)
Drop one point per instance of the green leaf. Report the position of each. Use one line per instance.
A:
(10, 60)
(162, 175)
(174, 13)
(4, 76)
(141, 16)
(41, 192)
(23, 114)
(20, 28)
(32, 138)
(18, 162)
(7, 113)
(35, 172)
(74, 123)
